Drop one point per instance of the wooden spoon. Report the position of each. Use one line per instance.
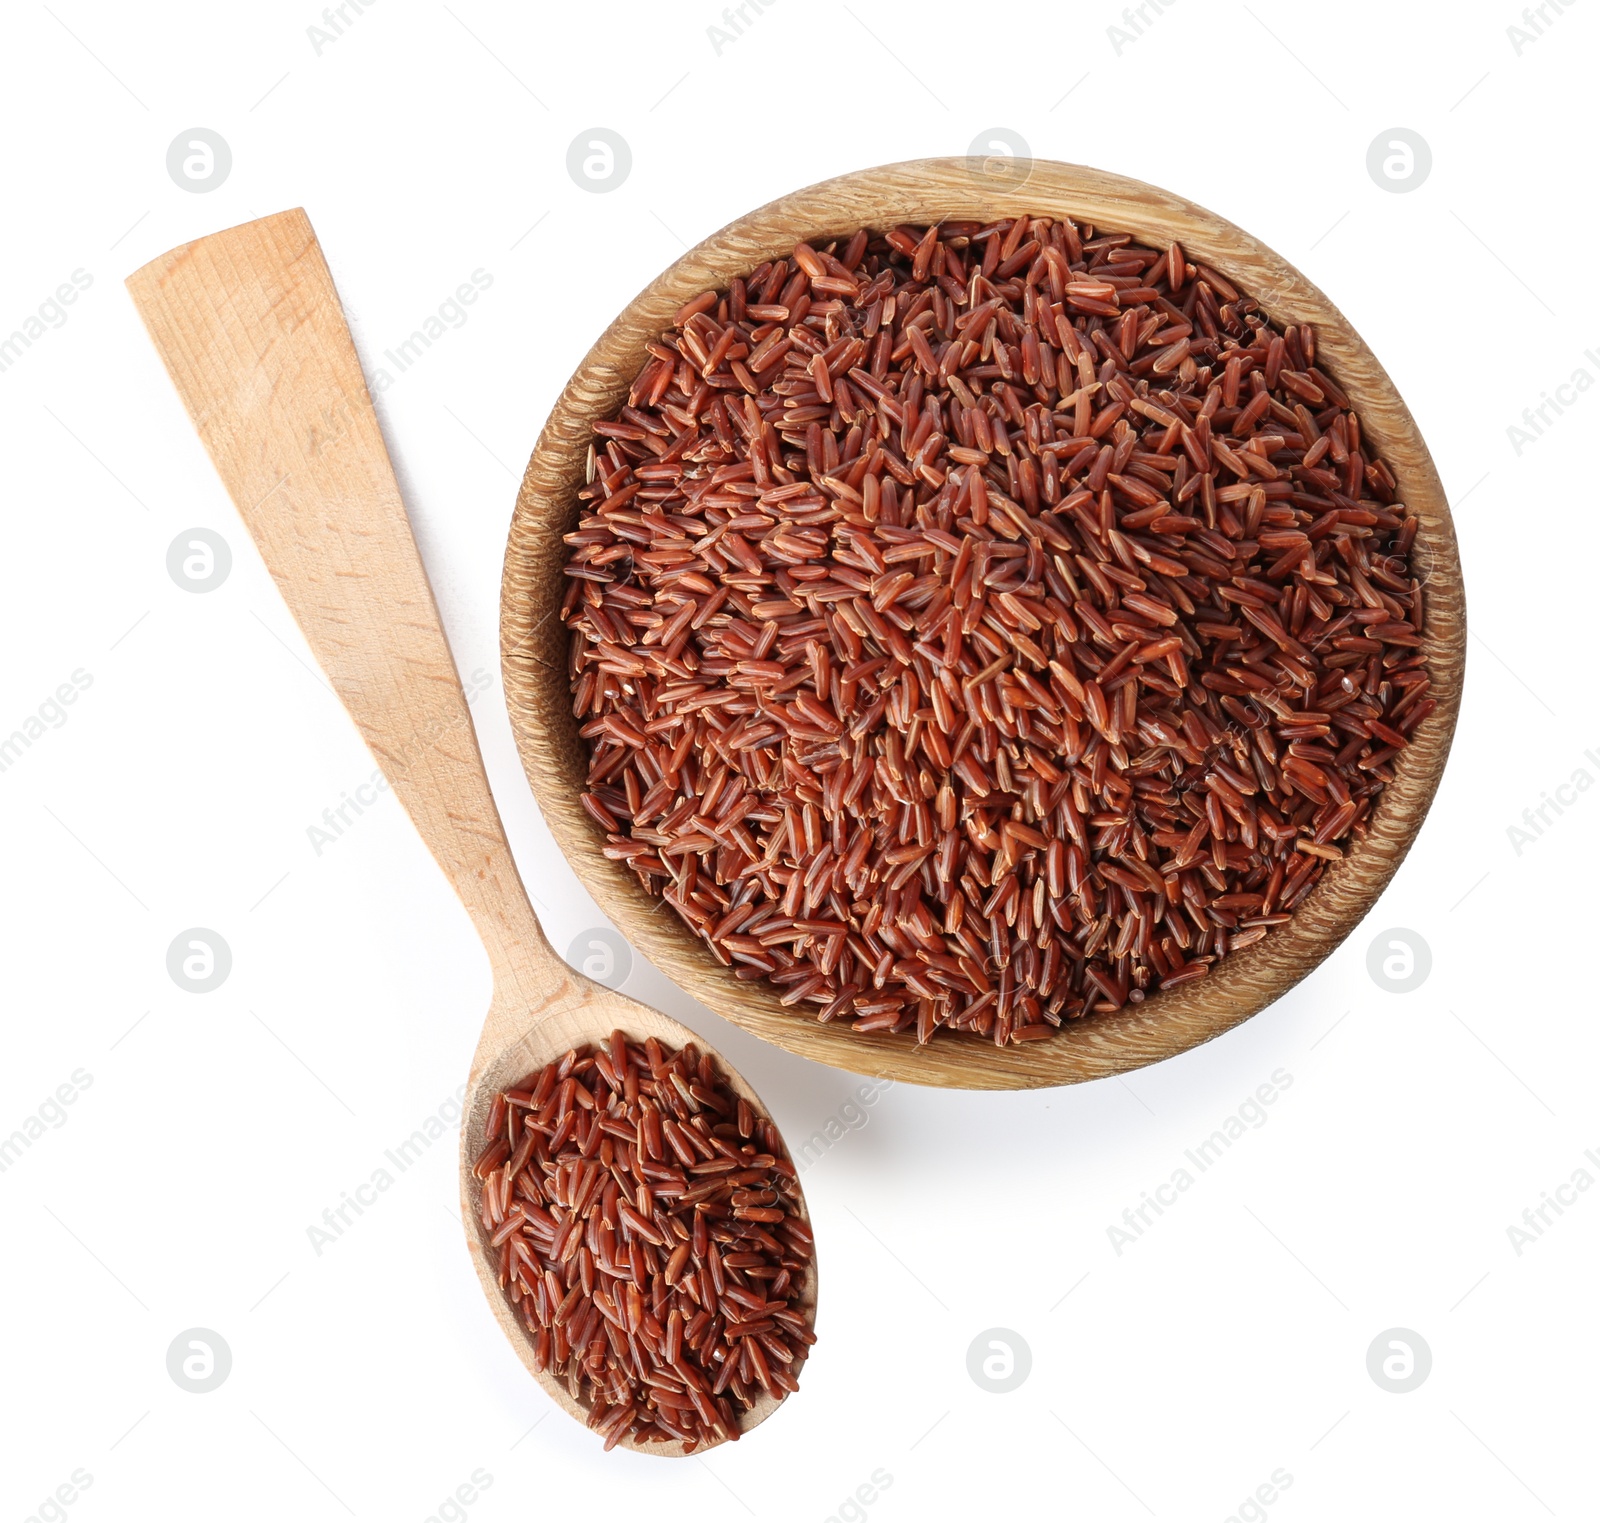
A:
(252, 333)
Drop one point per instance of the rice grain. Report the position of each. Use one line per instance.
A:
(977, 627)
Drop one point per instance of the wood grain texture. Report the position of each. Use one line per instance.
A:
(533, 640)
(250, 328)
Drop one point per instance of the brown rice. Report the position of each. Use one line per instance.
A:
(647, 1225)
(984, 626)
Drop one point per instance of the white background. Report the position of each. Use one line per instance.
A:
(1230, 1340)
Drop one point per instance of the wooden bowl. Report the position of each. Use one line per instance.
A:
(534, 641)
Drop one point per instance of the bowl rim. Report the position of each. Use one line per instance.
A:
(921, 191)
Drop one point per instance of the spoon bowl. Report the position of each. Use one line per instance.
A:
(516, 1041)
(250, 328)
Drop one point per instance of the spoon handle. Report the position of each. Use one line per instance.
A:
(251, 331)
